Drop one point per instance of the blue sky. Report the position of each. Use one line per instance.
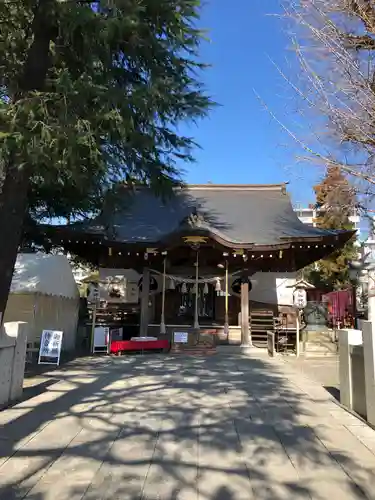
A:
(240, 141)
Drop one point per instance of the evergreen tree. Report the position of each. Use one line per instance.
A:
(335, 203)
(91, 94)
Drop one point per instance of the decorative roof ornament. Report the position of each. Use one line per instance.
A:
(195, 220)
(302, 285)
(195, 241)
(110, 232)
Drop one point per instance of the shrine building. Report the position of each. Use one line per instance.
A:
(197, 251)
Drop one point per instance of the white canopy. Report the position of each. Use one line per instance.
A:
(44, 274)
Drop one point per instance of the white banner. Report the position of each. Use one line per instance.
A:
(50, 347)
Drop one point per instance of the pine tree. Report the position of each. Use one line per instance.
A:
(335, 203)
(91, 94)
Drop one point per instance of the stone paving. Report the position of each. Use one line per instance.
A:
(226, 427)
(324, 369)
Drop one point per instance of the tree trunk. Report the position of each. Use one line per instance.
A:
(13, 201)
(14, 188)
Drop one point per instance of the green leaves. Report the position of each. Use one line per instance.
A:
(121, 77)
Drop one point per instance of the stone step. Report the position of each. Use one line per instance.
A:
(318, 354)
(319, 337)
(193, 350)
(321, 345)
(319, 349)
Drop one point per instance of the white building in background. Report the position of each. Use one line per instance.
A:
(308, 215)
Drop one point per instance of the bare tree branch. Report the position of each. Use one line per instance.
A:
(334, 43)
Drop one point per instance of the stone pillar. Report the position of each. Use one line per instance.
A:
(245, 332)
(145, 298)
(371, 298)
(345, 369)
(369, 364)
(13, 342)
(347, 338)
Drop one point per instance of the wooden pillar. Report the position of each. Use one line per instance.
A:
(196, 318)
(145, 297)
(298, 333)
(226, 305)
(245, 332)
(162, 319)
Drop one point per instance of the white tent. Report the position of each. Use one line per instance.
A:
(45, 295)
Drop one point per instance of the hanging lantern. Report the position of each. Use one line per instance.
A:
(171, 284)
(205, 288)
(218, 285)
(194, 289)
(184, 288)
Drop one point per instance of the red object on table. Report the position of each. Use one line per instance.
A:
(134, 345)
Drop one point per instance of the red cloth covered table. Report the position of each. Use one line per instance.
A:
(134, 345)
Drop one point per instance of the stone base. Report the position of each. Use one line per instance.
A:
(239, 349)
(317, 344)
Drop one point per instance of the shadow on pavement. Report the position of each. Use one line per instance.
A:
(35, 390)
(168, 428)
(333, 391)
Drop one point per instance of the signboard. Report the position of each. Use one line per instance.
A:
(300, 298)
(101, 338)
(50, 347)
(180, 337)
(116, 334)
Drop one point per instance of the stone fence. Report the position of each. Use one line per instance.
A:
(357, 370)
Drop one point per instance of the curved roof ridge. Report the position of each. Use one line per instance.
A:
(216, 187)
(242, 187)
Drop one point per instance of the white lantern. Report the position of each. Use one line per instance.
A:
(93, 293)
(300, 298)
